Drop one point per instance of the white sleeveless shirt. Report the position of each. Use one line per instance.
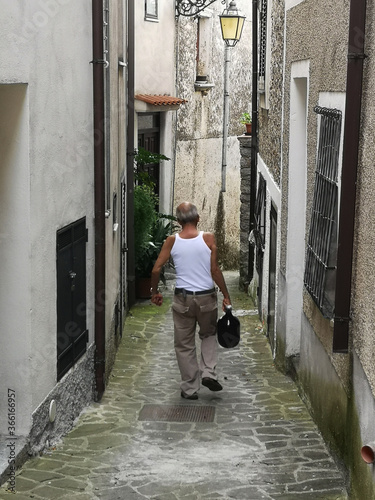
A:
(192, 259)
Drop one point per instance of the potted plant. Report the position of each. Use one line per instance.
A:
(246, 120)
(150, 229)
(148, 253)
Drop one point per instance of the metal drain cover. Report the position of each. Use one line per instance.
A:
(177, 413)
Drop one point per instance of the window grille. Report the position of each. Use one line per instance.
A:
(262, 44)
(260, 213)
(321, 256)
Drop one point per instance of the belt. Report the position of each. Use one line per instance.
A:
(188, 292)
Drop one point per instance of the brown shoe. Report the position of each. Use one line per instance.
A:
(211, 384)
(187, 396)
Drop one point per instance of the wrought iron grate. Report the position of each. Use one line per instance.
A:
(177, 413)
(260, 213)
(263, 40)
(321, 255)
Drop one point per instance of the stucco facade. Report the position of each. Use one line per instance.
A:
(155, 74)
(47, 185)
(308, 64)
(199, 154)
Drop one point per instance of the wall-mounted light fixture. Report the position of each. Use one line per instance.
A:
(191, 8)
(231, 22)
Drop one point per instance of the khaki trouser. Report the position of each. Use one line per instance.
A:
(187, 312)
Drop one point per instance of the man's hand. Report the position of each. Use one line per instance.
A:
(226, 302)
(157, 299)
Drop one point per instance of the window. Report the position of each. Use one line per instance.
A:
(151, 9)
(320, 268)
(263, 44)
(264, 68)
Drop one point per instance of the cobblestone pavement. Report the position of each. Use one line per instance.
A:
(262, 443)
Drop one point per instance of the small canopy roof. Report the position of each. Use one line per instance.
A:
(148, 102)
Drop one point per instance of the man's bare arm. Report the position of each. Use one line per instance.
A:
(163, 257)
(217, 275)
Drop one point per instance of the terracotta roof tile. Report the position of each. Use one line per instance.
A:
(160, 100)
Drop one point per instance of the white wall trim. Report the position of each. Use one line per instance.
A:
(297, 180)
(289, 4)
(272, 187)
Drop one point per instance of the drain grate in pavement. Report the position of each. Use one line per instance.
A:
(177, 413)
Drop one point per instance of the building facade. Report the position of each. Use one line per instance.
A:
(314, 186)
(55, 194)
(216, 83)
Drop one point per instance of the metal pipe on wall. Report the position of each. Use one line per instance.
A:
(357, 25)
(225, 116)
(254, 133)
(99, 195)
(225, 119)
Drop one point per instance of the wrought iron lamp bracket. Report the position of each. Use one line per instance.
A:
(191, 8)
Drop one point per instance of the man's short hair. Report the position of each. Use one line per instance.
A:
(188, 215)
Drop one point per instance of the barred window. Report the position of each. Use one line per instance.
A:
(321, 256)
(263, 44)
(260, 213)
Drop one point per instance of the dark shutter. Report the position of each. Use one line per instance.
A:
(72, 334)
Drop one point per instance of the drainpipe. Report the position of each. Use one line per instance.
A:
(130, 156)
(254, 136)
(225, 120)
(357, 24)
(99, 195)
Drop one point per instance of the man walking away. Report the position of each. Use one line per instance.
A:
(195, 300)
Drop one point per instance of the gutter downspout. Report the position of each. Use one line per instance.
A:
(99, 195)
(225, 120)
(357, 25)
(130, 155)
(254, 136)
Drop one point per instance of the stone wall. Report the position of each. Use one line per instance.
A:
(245, 171)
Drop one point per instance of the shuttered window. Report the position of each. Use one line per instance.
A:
(72, 334)
(321, 256)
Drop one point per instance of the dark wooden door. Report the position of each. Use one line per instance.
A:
(272, 277)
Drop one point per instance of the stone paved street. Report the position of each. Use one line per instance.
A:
(262, 443)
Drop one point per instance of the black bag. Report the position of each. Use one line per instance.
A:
(228, 329)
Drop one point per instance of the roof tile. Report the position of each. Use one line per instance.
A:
(160, 100)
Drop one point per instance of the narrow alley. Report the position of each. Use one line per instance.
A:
(142, 441)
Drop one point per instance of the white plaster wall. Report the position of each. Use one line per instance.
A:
(154, 49)
(155, 73)
(289, 4)
(61, 158)
(15, 340)
(116, 131)
(200, 126)
(167, 147)
(273, 196)
(48, 46)
(297, 174)
(199, 180)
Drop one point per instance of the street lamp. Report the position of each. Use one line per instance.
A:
(231, 23)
